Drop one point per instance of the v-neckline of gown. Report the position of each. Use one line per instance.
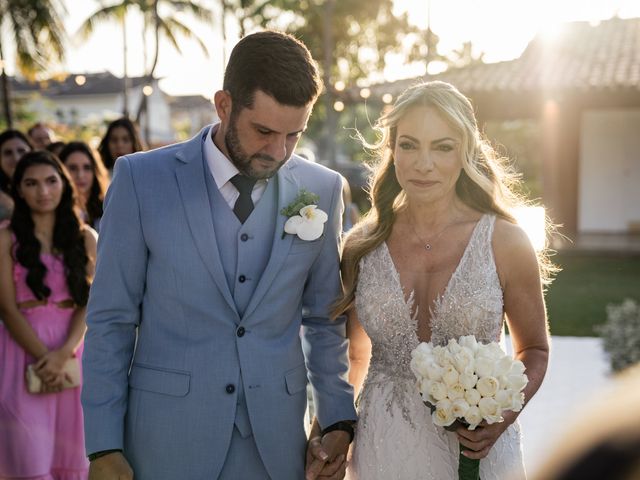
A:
(433, 309)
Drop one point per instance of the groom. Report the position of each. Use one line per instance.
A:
(194, 366)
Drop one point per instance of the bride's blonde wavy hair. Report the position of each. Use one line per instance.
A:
(486, 182)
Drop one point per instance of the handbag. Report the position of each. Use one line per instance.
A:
(71, 368)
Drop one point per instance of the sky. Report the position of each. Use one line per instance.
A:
(499, 28)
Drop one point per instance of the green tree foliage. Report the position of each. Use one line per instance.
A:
(38, 35)
(364, 31)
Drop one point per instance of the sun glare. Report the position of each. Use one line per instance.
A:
(532, 221)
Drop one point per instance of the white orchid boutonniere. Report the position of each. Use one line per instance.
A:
(305, 218)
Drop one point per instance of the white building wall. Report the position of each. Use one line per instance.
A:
(159, 113)
(609, 172)
(94, 109)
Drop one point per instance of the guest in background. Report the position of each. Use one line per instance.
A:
(46, 264)
(122, 138)
(603, 440)
(13, 145)
(351, 213)
(55, 148)
(90, 178)
(40, 135)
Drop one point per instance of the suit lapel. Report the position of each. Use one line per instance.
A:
(193, 192)
(287, 191)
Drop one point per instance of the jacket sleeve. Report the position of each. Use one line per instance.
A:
(324, 340)
(113, 313)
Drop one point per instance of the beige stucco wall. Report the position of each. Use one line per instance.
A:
(609, 171)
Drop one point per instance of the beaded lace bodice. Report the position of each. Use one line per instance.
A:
(396, 437)
(470, 304)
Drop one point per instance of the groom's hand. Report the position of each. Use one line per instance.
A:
(110, 467)
(326, 456)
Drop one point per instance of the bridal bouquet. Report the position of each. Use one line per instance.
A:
(466, 382)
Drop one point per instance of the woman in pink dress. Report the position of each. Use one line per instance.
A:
(46, 264)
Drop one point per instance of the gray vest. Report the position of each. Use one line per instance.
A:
(244, 251)
(244, 248)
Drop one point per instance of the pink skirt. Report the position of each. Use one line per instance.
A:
(41, 435)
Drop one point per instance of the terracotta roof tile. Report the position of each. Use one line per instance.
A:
(95, 84)
(582, 56)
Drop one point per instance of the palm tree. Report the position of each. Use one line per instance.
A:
(38, 38)
(169, 26)
(156, 21)
(117, 12)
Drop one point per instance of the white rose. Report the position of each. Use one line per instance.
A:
(472, 397)
(490, 410)
(459, 408)
(439, 354)
(448, 359)
(463, 360)
(493, 350)
(423, 348)
(418, 366)
(484, 366)
(517, 382)
(308, 225)
(453, 346)
(504, 399)
(443, 414)
(438, 391)
(517, 401)
(487, 386)
(517, 368)
(469, 341)
(468, 381)
(450, 375)
(434, 370)
(502, 366)
(473, 417)
(491, 419)
(424, 385)
(455, 391)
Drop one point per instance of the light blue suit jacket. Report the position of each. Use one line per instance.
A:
(162, 350)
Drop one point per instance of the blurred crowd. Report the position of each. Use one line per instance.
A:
(51, 196)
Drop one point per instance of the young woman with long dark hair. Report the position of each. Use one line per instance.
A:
(47, 258)
(13, 145)
(90, 178)
(121, 138)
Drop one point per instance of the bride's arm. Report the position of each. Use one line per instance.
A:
(359, 351)
(523, 302)
(519, 275)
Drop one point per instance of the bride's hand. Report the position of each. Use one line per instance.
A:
(478, 442)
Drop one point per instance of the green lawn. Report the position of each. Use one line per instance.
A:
(577, 298)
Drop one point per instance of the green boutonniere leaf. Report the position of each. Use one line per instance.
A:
(303, 199)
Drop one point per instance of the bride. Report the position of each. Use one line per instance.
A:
(439, 256)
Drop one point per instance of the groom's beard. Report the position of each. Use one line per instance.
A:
(243, 162)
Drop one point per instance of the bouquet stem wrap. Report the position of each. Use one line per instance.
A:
(468, 468)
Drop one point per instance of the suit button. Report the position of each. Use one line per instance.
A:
(240, 331)
(230, 389)
(242, 278)
(244, 237)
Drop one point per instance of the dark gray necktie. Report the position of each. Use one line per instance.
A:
(244, 204)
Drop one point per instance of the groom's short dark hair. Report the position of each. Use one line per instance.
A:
(276, 63)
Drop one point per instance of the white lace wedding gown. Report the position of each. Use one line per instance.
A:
(395, 438)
